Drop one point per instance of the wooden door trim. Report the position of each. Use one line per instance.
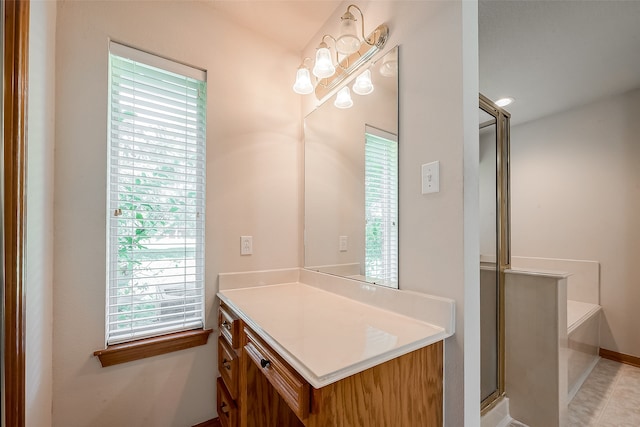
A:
(15, 73)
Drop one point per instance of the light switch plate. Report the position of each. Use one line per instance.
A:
(431, 177)
(344, 243)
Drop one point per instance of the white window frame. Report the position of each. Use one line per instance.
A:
(154, 123)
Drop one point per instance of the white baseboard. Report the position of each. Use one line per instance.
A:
(498, 416)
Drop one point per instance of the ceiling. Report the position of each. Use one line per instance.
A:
(290, 23)
(554, 55)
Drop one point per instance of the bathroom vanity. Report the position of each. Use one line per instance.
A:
(298, 354)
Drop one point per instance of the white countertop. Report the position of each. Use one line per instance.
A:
(324, 336)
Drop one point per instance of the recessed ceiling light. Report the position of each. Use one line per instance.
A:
(503, 102)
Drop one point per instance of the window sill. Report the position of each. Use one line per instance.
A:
(149, 347)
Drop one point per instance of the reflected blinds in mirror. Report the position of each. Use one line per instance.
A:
(381, 207)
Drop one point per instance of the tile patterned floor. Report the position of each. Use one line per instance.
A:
(610, 397)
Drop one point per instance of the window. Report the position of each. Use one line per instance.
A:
(157, 116)
(381, 206)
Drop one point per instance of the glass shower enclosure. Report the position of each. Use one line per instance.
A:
(494, 246)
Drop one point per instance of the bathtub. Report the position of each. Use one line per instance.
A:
(532, 391)
(583, 332)
(543, 296)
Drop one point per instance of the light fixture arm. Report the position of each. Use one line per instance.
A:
(324, 44)
(366, 39)
(302, 64)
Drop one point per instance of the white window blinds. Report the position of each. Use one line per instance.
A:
(381, 206)
(157, 118)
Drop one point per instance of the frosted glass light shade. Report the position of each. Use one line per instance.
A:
(348, 42)
(324, 66)
(343, 98)
(363, 85)
(389, 66)
(303, 84)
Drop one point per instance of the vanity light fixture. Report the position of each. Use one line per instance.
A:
(363, 85)
(389, 67)
(503, 102)
(343, 98)
(349, 42)
(324, 65)
(352, 50)
(303, 84)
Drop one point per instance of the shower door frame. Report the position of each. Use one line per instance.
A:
(503, 229)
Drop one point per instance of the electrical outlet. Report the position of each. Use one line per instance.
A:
(431, 177)
(246, 245)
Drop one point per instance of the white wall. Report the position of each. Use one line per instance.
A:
(576, 195)
(253, 169)
(439, 244)
(39, 243)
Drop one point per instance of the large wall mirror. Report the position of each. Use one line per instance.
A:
(351, 181)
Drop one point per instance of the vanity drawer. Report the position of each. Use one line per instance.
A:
(227, 409)
(228, 366)
(229, 326)
(285, 380)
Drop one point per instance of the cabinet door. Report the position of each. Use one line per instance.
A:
(228, 366)
(227, 409)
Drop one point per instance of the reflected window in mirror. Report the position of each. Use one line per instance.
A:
(381, 207)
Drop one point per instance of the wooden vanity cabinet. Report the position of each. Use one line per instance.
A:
(406, 391)
(228, 366)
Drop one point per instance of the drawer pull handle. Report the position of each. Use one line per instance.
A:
(226, 325)
(223, 408)
(226, 364)
(265, 363)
